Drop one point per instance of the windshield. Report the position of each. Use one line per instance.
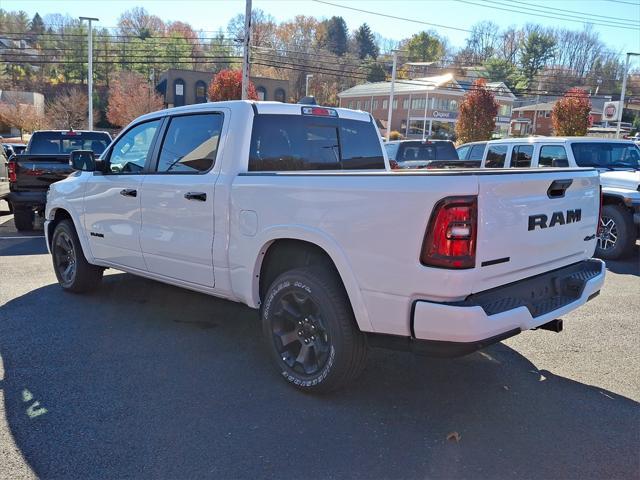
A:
(606, 154)
(54, 143)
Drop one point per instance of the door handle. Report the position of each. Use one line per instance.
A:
(200, 196)
(129, 192)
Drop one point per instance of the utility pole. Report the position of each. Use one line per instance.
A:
(393, 85)
(90, 72)
(306, 86)
(535, 111)
(247, 44)
(624, 88)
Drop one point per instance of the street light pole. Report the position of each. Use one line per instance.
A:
(393, 85)
(245, 59)
(624, 88)
(90, 72)
(306, 86)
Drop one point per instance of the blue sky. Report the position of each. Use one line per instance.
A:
(213, 15)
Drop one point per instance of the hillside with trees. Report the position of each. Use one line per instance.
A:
(48, 54)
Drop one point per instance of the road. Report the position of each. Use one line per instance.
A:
(144, 380)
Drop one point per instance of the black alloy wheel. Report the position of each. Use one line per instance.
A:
(64, 256)
(299, 333)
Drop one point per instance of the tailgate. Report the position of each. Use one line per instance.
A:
(533, 221)
(37, 172)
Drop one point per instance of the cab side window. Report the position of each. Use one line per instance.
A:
(553, 156)
(129, 154)
(190, 144)
(496, 155)
(521, 156)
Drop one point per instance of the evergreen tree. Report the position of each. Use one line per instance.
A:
(537, 50)
(365, 43)
(336, 36)
(37, 25)
(425, 47)
(376, 73)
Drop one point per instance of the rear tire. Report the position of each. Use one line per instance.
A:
(618, 234)
(23, 219)
(72, 270)
(311, 332)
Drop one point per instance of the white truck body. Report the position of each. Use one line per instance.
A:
(371, 225)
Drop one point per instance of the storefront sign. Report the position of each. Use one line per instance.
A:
(503, 119)
(610, 111)
(437, 114)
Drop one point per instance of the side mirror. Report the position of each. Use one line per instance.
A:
(84, 160)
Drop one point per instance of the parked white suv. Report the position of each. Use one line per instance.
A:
(293, 209)
(618, 162)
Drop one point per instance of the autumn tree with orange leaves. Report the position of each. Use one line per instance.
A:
(227, 85)
(477, 114)
(130, 96)
(570, 114)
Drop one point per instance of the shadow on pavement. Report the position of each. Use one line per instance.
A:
(627, 266)
(146, 380)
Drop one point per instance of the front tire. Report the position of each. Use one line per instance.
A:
(23, 219)
(617, 236)
(311, 332)
(72, 270)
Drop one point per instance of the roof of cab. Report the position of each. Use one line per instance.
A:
(261, 107)
(542, 139)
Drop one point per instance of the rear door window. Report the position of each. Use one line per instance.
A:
(521, 156)
(553, 156)
(412, 151)
(296, 142)
(496, 155)
(190, 143)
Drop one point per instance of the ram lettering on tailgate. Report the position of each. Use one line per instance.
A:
(557, 218)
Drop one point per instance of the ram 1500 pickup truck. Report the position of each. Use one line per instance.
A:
(293, 210)
(44, 161)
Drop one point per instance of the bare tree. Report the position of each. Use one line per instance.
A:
(69, 110)
(22, 116)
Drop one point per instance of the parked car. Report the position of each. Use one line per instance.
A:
(291, 209)
(43, 162)
(420, 153)
(618, 162)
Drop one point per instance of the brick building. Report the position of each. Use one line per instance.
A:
(522, 119)
(423, 106)
(187, 87)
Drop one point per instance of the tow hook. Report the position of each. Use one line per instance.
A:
(553, 325)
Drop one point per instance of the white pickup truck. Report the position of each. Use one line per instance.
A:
(293, 210)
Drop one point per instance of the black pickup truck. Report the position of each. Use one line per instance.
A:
(45, 161)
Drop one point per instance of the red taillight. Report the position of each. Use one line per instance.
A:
(599, 228)
(450, 241)
(12, 171)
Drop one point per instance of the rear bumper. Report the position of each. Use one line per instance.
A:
(27, 199)
(496, 314)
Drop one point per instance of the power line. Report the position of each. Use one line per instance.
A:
(392, 16)
(622, 1)
(494, 7)
(582, 18)
(579, 13)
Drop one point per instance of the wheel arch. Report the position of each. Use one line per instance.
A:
(284, 252)
(56, 215)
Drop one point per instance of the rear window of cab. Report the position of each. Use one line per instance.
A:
(300, 142)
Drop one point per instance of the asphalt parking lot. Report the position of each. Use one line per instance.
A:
(145, 380)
